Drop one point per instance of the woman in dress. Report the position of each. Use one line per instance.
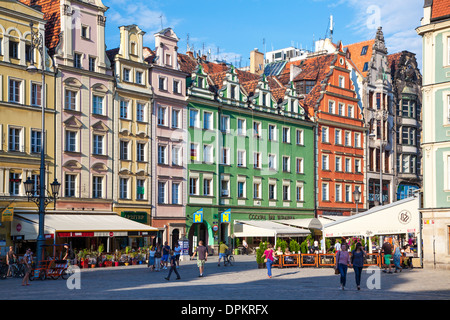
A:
(397, 257)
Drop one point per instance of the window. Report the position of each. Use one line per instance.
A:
(286, 135)
(341, 107)
(85, 32)
(299, 193)
(36, 94)
(14, 183)
(338, 192)
(305, 86)
(168, 59)
(139, 77)
(225, 184)
(341, 82)
(348, 165)
(200, 82)
(366, 67)
(162, 156)
(97, 104)
(325, 162)
(194, 151)
(325, 192)
(176, 86)
(15, 139)
(161, 192)
(193, 118)
(36, 141)
(140, 111)
(272, 191)
(241, 127)
(193, 186)
(140, 152)
(409, 136)
(357, 165)
(176, 156)
(241, 158)
(350, 111)
(348, 139)
(70, 185)
(299, 137)
(272, 162)
(272, 132)
(257, 129)
(71, 141)
(126, 74)
(348, 193)
(92, 63)
(97, 187)
(378, 100)
(124, 150)
(124, 109)
(207, 153)
(71, 100)
(337, 136)
(225, 123)
(162, 111)
(14, 90)
(256, 190)
(299, 165)
(133, 50)
(286, 192)
(162, 83)
(140, 189)
(123, 188)
(77, 60)
(241, 189)
(175, 193)
(225, 156)
(338, 164)
(233, 92)
(286, 164)
(207, 121)
(357, 140)
(207, 187)
(364, 50)
(409, 108)
(97, 144)
(325, 134)
(331, 105)
(13, 49)
(257, 160)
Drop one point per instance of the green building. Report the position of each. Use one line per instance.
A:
(250, 152)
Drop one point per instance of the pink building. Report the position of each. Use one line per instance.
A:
(169, 156)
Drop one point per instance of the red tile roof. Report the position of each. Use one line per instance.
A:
(51, 10)
(440, 9)
(358, 59)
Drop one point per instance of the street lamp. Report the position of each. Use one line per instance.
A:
(37, 42)
(356, 196)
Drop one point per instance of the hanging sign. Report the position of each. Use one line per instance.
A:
(198, 216)
(8, 214)
(225, 216)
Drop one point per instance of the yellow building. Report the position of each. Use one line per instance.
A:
(132, 101)
(20, 111)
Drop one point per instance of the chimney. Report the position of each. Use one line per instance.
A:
(190, 54)
(256, 62)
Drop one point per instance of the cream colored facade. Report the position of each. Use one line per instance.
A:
(132, 127)
(20, 110)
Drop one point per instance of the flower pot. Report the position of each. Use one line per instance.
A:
(92, 265)
(236, 252)
(261, 265)
(126, 263)
(116, 264)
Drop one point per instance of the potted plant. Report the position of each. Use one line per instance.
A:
(259, 255)
(294, 246)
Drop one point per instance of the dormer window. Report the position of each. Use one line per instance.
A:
(264, 99)
(364, 50)
(168, 59)
(200, 82)
(232, 92)
(133, 48)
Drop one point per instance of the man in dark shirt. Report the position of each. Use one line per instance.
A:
(173, 266)
(202, 257)
(387, 250)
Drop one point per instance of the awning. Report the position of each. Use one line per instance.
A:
(253, 228)
(399, 217)
(77, 225)
(310, 223)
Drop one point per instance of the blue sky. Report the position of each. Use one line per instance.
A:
(238, 26)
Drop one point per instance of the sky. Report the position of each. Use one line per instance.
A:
(229, 30)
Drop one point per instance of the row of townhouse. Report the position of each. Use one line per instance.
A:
(178, 142)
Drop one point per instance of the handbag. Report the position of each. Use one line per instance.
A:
(336, 269)
(265, 260)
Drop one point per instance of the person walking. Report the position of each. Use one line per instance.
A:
(268, 254)
(158, 254)
(358, 263)
(177, 253)
(173, 266)
(10, 260)
(151, 258)
(222, 252)
(397, 257)
(387, 250)
(27, 260)
(165, 255)
(342, 262)
(202, 256)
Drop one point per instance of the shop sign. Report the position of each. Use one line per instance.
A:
(18, 227)
(404, 216)
(140, 217)
(48, 236)
(225, 216)
(8, 214)
(75, 234)
(198, 216)
(111, 234)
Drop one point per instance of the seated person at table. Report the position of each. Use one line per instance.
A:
(286, 251)
(279, 252)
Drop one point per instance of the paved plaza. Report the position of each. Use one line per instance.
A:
(242, 281)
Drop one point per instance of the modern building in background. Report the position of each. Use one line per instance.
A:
(435, 31)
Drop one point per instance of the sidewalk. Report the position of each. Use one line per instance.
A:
(242, 281)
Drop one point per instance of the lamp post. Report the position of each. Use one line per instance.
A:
(356, 196)
(37, 42)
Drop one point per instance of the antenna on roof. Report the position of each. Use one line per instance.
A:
(331, 28)
(187, 41)
(161, 17)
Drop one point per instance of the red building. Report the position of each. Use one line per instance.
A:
(330, 98)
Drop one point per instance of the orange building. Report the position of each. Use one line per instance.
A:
(330, 97)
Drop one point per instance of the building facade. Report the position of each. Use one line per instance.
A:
(131, 127)
(435, 31)
(21, 94)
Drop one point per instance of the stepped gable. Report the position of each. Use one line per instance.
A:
(52, 13)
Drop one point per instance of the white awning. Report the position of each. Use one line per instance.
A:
(399, 217)
(27, 225)
(310, 223)
(253, 228)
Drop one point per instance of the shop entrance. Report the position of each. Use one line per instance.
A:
(197, 232)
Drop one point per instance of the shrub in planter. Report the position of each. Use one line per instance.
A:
(259, 253)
